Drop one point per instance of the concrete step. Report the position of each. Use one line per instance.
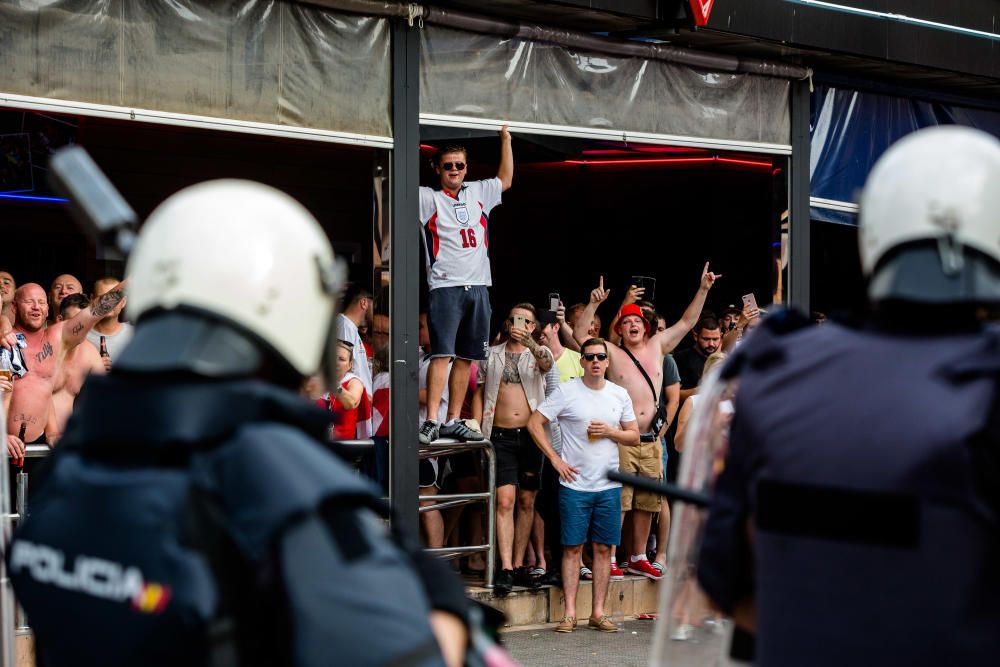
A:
(635, 595)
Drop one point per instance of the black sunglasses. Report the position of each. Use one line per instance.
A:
(600, 356)
(448, 166)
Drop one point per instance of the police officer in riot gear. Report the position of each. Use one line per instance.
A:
(856, 519)
(189, 516)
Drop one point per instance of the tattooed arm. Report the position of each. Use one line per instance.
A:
(74, 331)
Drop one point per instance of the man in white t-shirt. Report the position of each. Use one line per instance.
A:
(595, 417)
(115, 334)
(455, 223)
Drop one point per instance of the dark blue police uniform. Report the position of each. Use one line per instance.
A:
(203, 524)
(858, 506)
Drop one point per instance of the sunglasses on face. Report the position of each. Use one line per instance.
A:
(590, 356)
(526, 322)
(457, 166)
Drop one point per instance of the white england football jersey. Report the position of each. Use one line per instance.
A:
(456, 233)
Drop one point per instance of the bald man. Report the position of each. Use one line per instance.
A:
(62, 287)
(44, 355)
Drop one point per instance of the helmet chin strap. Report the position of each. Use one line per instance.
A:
(950, 251)
(949, 248)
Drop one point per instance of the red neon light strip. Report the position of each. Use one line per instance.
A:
(673, 160)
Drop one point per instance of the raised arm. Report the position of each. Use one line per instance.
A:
(566, 329)
(669, 337)
(506, 171)
(597, 296)
(75, 330)
(542, 354)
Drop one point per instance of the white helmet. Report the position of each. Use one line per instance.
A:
(930, 218)
(238, 257)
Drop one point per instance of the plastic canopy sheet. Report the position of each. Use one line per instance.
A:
(484, 76)
(851, 130)
(250, 60)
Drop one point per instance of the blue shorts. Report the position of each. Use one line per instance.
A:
(458, 320)
(597, 513)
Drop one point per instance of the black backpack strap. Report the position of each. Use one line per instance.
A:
(656, 396)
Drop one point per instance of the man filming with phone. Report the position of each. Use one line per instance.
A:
(637, 365)
(511, 385)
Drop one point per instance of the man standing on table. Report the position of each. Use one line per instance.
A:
(595, 417)
(455, 223)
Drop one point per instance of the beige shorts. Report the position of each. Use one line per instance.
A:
(645, 460)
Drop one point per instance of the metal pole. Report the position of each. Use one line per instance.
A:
(491, 520)
(799, 269)
(6, 590)
(404, 296)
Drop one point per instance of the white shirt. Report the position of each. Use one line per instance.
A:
(575, 405)
(456, 239)
(348, 331)
(115, 342)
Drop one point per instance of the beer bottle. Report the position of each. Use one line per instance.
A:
(20, 434)
(104, 347)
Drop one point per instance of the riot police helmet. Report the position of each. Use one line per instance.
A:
(232, 278)
(930, 220)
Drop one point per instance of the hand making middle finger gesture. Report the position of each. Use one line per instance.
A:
(599, 295)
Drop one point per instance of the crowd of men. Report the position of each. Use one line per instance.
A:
(561, 404)
(57, 338)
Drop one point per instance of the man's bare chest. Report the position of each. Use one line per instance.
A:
(624, 371)
(41, 357)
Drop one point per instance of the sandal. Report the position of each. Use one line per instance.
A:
(586, 573)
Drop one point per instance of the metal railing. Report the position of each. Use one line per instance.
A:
(20, 508)
(449, 447)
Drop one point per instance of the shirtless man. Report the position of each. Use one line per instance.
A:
(61, 288)
(80, 362)
(511, 385)
(649, 350)
(47, 348)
